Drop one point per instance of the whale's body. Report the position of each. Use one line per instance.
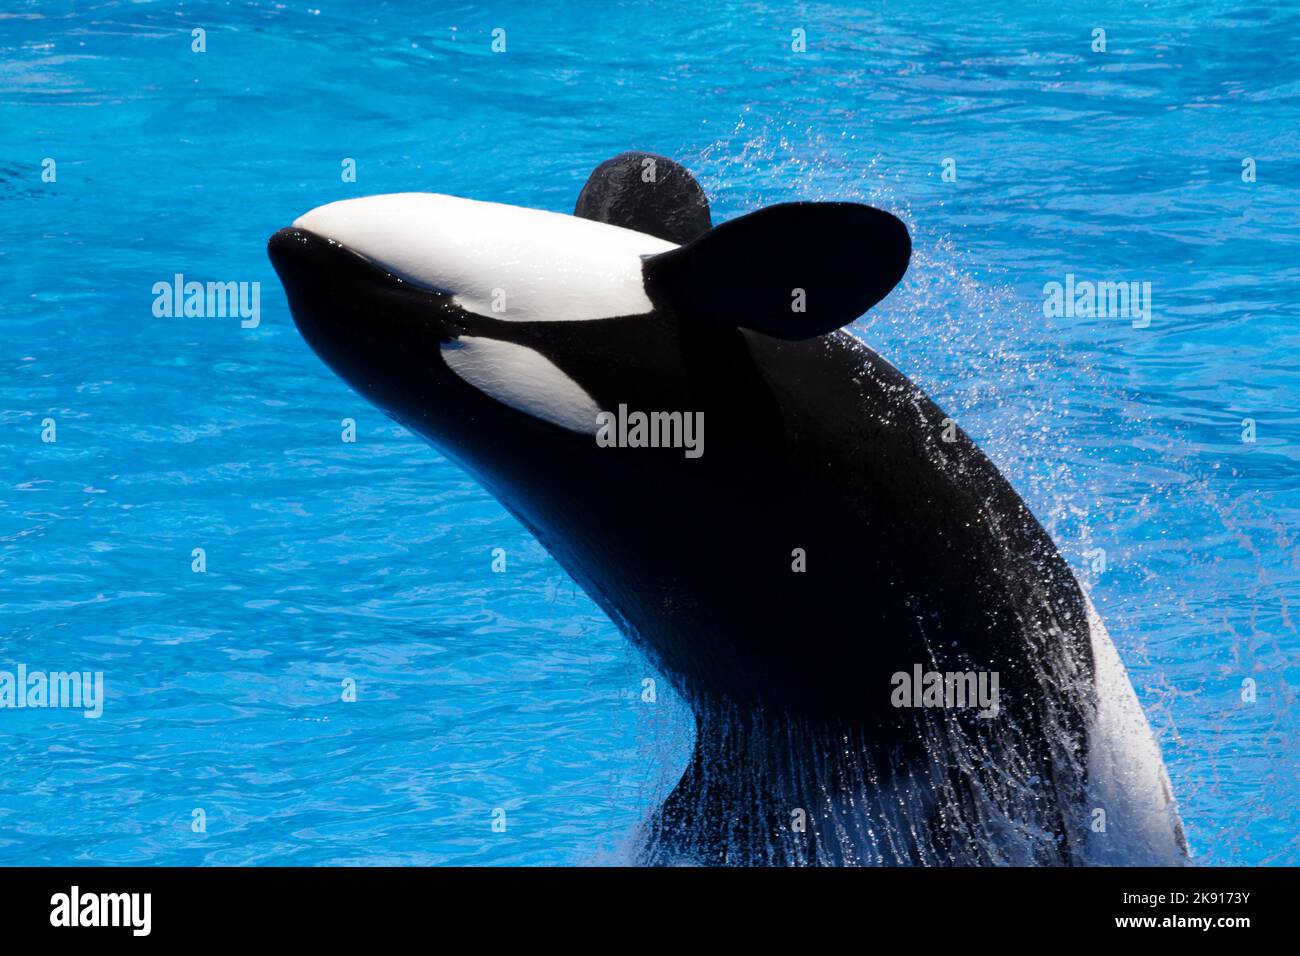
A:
(837, 530)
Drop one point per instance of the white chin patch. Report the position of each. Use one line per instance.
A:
(525, 380)
(502, 262)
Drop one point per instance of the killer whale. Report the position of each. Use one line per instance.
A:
(838, 530)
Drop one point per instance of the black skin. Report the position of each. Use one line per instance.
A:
(917, 550)
(648, 193)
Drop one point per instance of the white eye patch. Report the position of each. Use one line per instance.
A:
(525, 380)
(498, 261)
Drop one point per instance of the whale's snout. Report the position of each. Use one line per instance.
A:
(302, 261)
(331, 289)
(290, 251)
(369, 326)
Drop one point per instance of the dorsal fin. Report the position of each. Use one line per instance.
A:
(648, 193)
(792, 271)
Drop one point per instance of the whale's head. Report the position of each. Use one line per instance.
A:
(470, 321)
(448, 311)
(575, 365)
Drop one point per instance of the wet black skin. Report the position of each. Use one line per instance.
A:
(917, 550)
(648, 193)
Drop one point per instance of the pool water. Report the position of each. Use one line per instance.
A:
(499, 717)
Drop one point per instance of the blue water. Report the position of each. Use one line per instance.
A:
(371, 562)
